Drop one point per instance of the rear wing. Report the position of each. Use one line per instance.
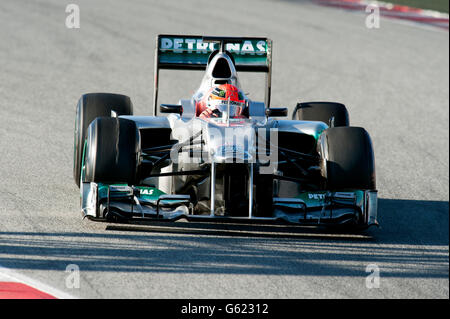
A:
(192, 52)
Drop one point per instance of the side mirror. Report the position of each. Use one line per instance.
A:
(171, 108)
(277, 111)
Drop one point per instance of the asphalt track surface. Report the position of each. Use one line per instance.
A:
(394, 81)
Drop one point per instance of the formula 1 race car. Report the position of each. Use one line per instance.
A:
(219, 156)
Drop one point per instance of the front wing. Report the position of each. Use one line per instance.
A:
(122, 202)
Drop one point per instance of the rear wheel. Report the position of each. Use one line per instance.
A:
(331, 113)
(89, 107)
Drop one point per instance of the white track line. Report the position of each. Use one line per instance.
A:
(7, 274)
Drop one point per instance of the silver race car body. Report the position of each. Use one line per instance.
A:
(260, 168)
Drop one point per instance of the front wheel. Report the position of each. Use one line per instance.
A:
(89, 107)
(112, 151)
(348, 160)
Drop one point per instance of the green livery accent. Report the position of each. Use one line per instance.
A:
(146, 193)
(319, 132)
(82, 165)
(314, 199)
(149, 193)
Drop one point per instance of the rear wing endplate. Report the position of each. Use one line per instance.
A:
(191, 52)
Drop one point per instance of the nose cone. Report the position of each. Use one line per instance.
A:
(231, 144)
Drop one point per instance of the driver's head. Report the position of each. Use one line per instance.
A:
(224, 98)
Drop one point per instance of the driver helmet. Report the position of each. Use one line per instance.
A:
(223, 99)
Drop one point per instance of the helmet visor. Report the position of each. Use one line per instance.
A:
(227, 108)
